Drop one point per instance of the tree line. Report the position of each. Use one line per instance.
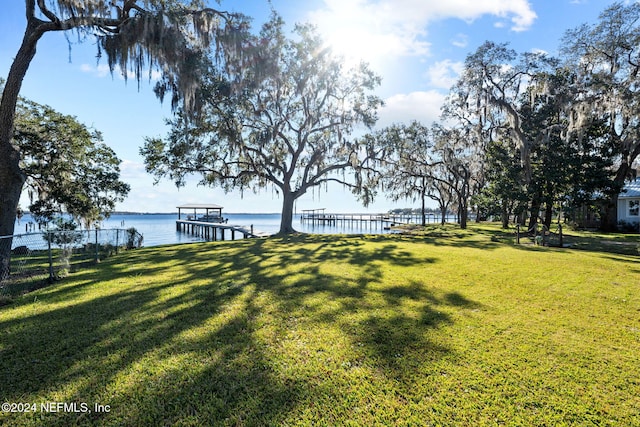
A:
(528, 133)
(521, 133)
(174, 38)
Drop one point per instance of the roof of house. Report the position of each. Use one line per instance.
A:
(631, 190)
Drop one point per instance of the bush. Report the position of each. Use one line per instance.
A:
(63, 234)
(628, 226)
(134, 239)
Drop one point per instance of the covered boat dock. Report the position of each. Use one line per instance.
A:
(206, 221)
(201, 212)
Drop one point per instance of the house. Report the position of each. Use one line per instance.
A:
(629, 203)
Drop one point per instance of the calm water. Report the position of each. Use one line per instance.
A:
(160, 229)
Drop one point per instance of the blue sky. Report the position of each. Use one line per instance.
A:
(417, 46)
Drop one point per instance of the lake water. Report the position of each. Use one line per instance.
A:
(160, 229)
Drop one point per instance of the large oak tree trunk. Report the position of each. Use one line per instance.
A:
(464, 215)
(548, 214)
(12, 178)
(504, 215)
(286, 222)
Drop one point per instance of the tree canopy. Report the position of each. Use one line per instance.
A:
(555, 131)
(172, 36)
(68, 167)
(289, 128)
(606, 58)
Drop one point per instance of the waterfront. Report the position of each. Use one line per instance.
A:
(160, 229)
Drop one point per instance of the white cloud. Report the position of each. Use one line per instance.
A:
(102, 70)
(461, 41)
(444, 74)
(359, 28)
(399, 27)
(403, 108)
(130, 169)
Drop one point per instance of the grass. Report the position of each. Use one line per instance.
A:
(446, 328)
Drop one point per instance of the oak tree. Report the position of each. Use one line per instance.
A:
(606, 58)
(171, 36)
(409, 165)
(69, 168)
(289, 129)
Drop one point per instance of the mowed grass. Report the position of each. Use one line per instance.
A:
(447, 328)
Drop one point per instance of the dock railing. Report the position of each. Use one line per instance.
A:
(216, 231)
(321, 217)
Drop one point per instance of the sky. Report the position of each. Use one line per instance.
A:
(418, 47)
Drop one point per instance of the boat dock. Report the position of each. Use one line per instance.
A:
(319, 217)
(211, 225)
(216, 231)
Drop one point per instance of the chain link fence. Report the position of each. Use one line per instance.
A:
(38, 258)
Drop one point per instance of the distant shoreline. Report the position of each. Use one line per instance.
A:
(176, 213)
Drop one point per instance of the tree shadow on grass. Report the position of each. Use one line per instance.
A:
(453, 236)
(209, 334)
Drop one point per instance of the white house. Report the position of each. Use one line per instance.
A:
(629, 203)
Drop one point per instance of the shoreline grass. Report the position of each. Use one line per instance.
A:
(450, 328)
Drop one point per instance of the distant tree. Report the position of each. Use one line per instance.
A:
(442, 193)
(566, 168)
(606, 58)
(522, 100)
(438, 163)
(290, 130)
(409, 164)
(68, 167)
(461, 162)
(504, 193)
(554, 158)
(488, 95)
(170, 35)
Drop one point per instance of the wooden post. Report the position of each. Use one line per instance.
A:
(518, 234)
(560, 232)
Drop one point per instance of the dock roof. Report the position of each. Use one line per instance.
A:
(199, 206)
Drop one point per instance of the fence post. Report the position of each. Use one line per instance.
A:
(117, 239)
(50, 256)
(560, 231)
(518, 234)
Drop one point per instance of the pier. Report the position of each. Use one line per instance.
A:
(319, 217)
(215, 231)
(211, 225)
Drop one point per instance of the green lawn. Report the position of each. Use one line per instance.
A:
(447, 328)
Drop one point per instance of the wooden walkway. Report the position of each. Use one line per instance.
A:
(317, 217)
(216, 231)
